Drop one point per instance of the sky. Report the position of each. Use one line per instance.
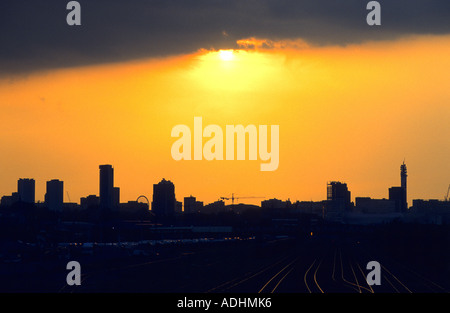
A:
(352, 101)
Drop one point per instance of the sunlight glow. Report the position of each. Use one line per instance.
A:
(226, 55)
(233, 70)
(328, 101)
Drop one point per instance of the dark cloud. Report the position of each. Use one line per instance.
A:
(34, 34)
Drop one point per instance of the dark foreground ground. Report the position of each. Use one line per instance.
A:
(328, 264)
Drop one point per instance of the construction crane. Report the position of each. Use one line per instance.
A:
(233, 197)
(448, 190)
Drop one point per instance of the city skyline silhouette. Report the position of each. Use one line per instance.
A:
(279, 246)
(338, 205)
(328, 129)
(114, 191)
(219, 150)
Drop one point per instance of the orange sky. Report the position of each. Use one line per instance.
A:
(348, 113)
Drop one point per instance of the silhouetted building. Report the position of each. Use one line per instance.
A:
(275, 204)
(241, 207)
(374, 206)
(338, 201)
(71, 206)
(178, 207)
(311, 207)
(133, 211)
(116, 197)
(198, 206)
(10, 200)
(403, 176)
(398, 195)
(133, 207)
(26, 190)
(213, 208)
(54, 196)
(431, 211)
(163, 203)
(191, 205)
(338, 197)
(106, 186)
(89, 202)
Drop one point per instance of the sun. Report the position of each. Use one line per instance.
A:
(226, 55)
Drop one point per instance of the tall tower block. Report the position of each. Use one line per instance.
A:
(106, 186)
(403, 176)
(26, 190)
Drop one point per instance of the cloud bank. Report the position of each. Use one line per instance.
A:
(34, 35)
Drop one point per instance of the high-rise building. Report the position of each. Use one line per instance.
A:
(164, 202)
(26, 190)
(338, 195)
(338, 201)
(403, 176)
(106, 186)
(54, 196)
(398, 194)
